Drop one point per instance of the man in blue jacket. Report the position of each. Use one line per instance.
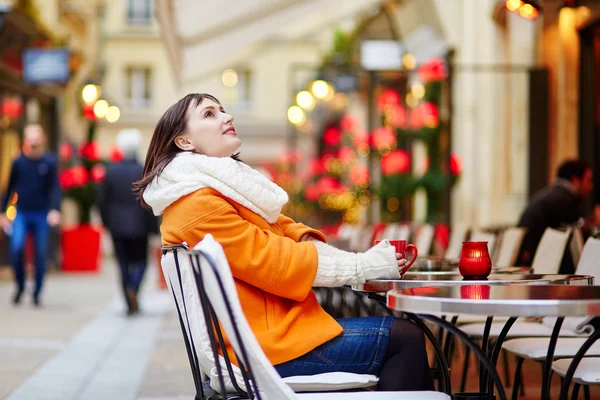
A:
(34, 185)
(129, 224)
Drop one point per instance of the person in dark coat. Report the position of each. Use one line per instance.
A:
(128, 223)
(34, 184)
(556, 206)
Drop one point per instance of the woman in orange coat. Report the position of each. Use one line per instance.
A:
(194, 179)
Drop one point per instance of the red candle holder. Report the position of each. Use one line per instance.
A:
(475, 261)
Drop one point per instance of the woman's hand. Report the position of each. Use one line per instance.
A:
(401, 263)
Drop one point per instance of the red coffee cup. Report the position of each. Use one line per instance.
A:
(401, 247)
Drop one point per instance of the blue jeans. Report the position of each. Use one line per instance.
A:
(359, 349)
(35, 223)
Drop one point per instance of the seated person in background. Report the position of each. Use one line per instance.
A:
(194, 178)
(555, 206)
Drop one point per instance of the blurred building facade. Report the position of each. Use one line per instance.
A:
(135, 72)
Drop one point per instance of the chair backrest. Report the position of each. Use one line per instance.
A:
(589, 263)
(177, 272)
(550, 251)
(490, 238)
(424, 239)
(213, 276)
(177, 269)
(576, 244)
(511, 241)
(458, 234)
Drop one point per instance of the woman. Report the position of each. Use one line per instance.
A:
(194, 178)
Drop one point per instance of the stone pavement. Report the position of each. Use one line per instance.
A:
(80, 344)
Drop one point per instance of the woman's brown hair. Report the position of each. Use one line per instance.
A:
(162, 146)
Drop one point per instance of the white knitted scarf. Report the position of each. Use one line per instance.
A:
(189, 172)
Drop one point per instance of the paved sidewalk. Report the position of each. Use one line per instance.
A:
(80, 344)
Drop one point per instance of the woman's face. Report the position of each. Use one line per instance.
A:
(209, 131)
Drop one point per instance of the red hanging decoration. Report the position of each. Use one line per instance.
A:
(346, 155)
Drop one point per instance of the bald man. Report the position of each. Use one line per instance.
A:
(34, 179)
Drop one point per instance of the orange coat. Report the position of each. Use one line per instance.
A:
(273, 272)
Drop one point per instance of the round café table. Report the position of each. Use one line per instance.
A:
(411, 280)
(503, 300)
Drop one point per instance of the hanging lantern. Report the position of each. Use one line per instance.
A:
(90, 151)
(12, 107)
(396, 162)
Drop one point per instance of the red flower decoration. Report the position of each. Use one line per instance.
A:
(115, 154)
(396, 162)
(433, 70)
(396, 115)
(429, 114)
(332, 137)
(88, 112)
(312, 192)
(359, 175)
(90, 151)
(388, 97)
(329, 185)
(349, 123)
(80, 175)
(12, 107)
(384, 137)
(65, 151)
(346, 155)
(360, 139)
(65, 179)
(97, 173)
(455, 165)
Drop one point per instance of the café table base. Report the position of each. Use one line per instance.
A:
(439, 352)
(485, 361)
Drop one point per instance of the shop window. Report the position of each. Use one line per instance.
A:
(139, 12)
(138, 86)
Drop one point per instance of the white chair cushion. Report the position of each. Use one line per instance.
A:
(376, 396)
(519, 329)
(537, 348)
(330, 381)
(469, 319)
(587, 372)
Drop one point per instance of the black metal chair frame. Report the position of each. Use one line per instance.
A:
(203, 389)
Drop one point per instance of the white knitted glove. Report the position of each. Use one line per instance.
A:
(338, 267)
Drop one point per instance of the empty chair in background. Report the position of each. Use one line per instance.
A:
(510, 243)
